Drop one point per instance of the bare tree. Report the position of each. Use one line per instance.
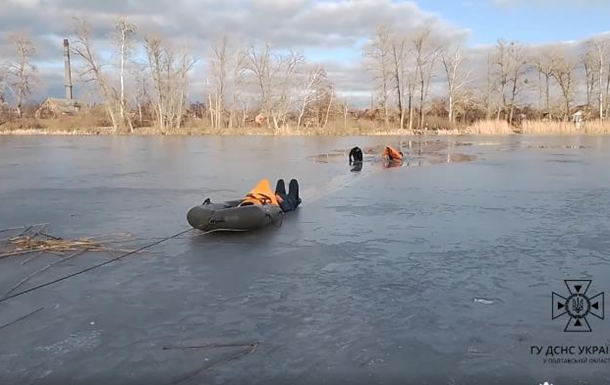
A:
(411, 85)
(309, 89)
(330, 103)
(589, 64)
(601, 48)
(3, 87)
(92, 70)
(141, 96)
(169, 71)
(426, 53)
(123, 38)
(258, 62)
(564, 76)
(156, 57)
(502, 62)
(345, 111)
(405, 79)
(287, 66)
(399, 52)
(239, 72)
(545, 62)
(379, 51)
(452, 60)
(21, 74)
(219, 64)
(184, 65)
(607, 93)
(210, 104)
(517, 68)
(489, 86)
(469, 103)
(274, 75)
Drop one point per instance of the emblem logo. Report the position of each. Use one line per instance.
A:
(578, 305)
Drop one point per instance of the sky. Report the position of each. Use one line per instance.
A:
(529, 21)
(331, 32)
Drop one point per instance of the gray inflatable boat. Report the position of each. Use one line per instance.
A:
(228, 216)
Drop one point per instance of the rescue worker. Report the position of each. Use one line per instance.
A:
(262, 194)
(355, 155)
(391, 154)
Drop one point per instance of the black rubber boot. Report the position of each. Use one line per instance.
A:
(280, 187)
(294, 190)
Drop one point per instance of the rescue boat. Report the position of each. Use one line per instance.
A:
(229, 216)
(259, 208)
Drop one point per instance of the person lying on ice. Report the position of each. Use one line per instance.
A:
(263, 195)
(391, 154)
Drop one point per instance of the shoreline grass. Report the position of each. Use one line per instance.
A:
(480, 128)
(594, 127)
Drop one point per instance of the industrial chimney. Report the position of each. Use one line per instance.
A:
(68, 74)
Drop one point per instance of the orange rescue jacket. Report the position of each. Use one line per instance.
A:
(391, 153)
(260, 195)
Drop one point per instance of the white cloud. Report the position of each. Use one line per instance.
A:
(295, 24)
(331, 29)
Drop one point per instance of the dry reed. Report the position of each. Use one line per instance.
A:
(489, 127)
(594, 127)
(33, 239)
(90, 125)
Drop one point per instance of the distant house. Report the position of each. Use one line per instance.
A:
(369, 114)
(54, 107)
(578, 118)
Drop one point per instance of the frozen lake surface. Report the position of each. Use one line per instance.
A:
(440, 271)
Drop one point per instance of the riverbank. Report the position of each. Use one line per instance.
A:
(489, 127)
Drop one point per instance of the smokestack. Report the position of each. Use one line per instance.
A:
(68, 74)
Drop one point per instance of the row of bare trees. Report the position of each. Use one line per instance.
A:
(148, 76)
(167, 69)
(405, 65)
(415, 74)
(280, 84)
(576, 76)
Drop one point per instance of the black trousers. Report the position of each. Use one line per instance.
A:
(291, 200)
(289, 203)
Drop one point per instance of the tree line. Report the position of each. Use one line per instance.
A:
(536, 82)
(416, 76)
